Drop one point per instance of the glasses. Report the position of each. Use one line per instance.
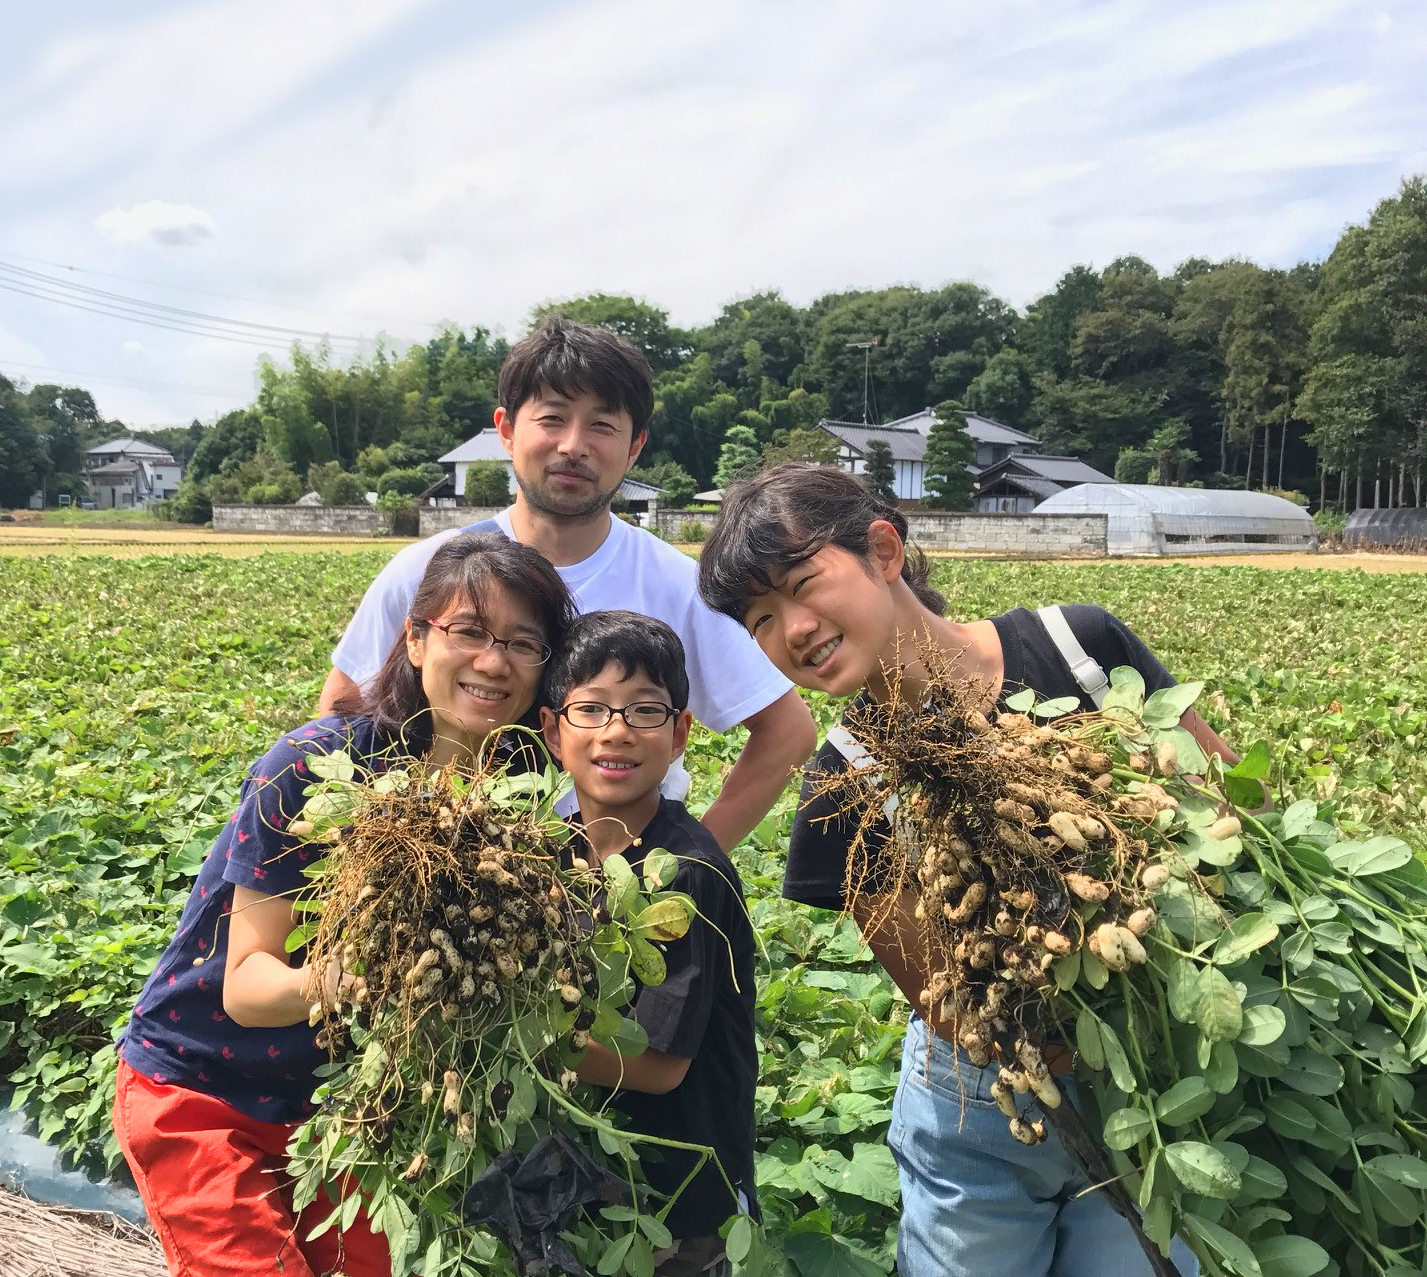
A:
(641, 716)
(470, 638)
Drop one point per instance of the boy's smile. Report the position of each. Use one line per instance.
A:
(616, 767)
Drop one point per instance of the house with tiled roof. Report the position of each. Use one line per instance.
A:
(1007, 459)
(124, 474)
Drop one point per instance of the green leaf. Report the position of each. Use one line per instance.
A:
(1088, 1041)
(1116, 1060)
(334, 766)
(1217, 1009)
(660, 869)
(1233, 1249)
(1261, 1179)
(1254, 765)
(1185, 1101)
(666, 919)
(1245, 935)
(1057, 708)
(1183, 989)
(1376, 856)
(870, 1172)
(612, 1260)
(1400, 1167)
(1297, 951)
(1222, 1071)
(646, 962)
(1290, 1256)
(1126, 1127)
(1263, 1025)
(1312, 1072)
(1203, 1169)
(1165, 707)
(1022, 702)
(1289, 1118)
(739, 1240)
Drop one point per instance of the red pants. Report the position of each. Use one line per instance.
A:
(214, 1185)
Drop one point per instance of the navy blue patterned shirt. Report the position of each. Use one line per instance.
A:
(179, 1034)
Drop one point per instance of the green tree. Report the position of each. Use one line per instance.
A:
(262, 480)
(406, 482)
(1135, 465)
(637, 321)
(879, 472)
(816, 446)
(336, 486)
(776, 328)
(950, 449)
(233, 439)
(1003, 390)
(22, 455)
(1264, 340)
(487, 484)
(1167, 448)
(676, 485)
(738, 457)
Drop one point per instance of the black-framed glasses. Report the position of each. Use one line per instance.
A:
(641, 716)
(470, 638)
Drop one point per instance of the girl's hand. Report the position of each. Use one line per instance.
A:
(336, 987)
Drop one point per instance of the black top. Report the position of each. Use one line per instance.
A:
(703, 1013)
(818, 847)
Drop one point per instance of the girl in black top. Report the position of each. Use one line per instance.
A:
(818, 571)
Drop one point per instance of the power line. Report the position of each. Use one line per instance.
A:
(119, 305)
(133, 382)
(187, 288)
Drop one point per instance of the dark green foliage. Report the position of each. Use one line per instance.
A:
(406, 482)
(487, 484)
(879, 474)
(335, 486)
(950, 450)
(676, 483)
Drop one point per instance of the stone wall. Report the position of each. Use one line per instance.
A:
(302, 520)
(436, 518)
(1032, 535)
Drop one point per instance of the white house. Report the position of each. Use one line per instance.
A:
(641, 498)
(485, 446)
(127, 473)
(1011, 475)
(908, 448)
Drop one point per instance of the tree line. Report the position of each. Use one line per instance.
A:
(1222, 374)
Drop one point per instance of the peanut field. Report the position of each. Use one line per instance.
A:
(135, 692)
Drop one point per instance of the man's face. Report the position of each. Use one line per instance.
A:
(569, 454)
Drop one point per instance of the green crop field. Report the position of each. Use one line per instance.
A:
(134, 693)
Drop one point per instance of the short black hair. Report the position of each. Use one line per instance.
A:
(637, 644)
(576, 359)
(780, 518)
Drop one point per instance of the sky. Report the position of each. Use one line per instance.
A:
(378, 167)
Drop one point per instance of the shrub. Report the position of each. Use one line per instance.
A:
(405, 482)
(693, 531)
(487, 484)
(190, 504)
(405, 521)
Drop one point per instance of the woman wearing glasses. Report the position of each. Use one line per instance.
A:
(216, 1064)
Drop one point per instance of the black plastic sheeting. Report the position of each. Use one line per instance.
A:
(528, 1199)
(1403, 526)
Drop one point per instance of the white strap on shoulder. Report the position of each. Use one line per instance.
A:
(860, 758)
(1084, 668)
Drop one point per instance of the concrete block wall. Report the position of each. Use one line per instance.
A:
(438, 518)
(1035, 535)
(302, 520)
(1078, 535)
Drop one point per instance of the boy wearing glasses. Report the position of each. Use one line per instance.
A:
(615, 715)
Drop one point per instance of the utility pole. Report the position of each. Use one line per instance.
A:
(866, 348)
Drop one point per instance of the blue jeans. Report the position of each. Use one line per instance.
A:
(976, 1202)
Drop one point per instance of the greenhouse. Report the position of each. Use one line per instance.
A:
(1402, 528)
(1148, 520)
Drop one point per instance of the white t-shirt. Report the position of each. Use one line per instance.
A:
(729, 677)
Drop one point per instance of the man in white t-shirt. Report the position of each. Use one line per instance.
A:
(575, 403)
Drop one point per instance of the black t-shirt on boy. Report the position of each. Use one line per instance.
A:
(703, 1013)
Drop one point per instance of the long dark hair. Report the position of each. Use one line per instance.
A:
(463, 569)
(781, 518)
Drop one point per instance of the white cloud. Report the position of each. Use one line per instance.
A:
(133, 347)
(164, 223)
